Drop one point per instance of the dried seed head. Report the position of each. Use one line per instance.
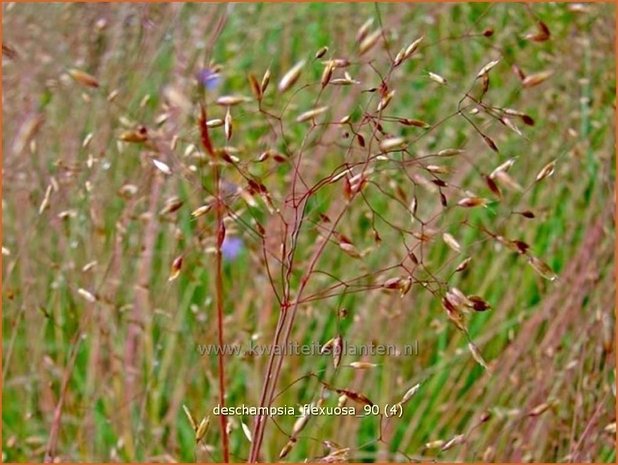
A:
(463, 265)
(87, 295)
(407, 52)
(83, 78)
(414, 122)
(163, 167)
(476, 354)
(437, 78)
(539, 409)
(201, 430)
(246, 431)
(434, 444)
(134, 136)
(410, 393)
(490, 143)
(393, 283)
(350, 249)
(46, 198)
(199, 211)
(230, 100)
(451, 242)
(290, 78)
(337, 351)
(503, 167)
(363, 30)
(392, 143)
(541, 35)
(454, 313)
(533, 80)
(363, 365)
(469, 202)
(320, 53)
(546, 171)
(171, 205)
(214, 123)
(386, 100)
(265, 81)
(455, 441)
(228, 124)
(493, 187)
(485, 69)
(190, 417)
(287, 448)
(477, 303)
(542, 268)
(310, 114)
(175, 270)
(369, 42)
(300, 424)
(327, 73)
(256, 89)
(327, 346)
(449, 152)
(527, 214)
(355, 396)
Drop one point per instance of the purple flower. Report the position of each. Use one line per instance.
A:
(232, 247)
(207, 78)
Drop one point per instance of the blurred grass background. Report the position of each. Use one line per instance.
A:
(546, 342)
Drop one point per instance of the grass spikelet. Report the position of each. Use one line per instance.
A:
(84, 78)
(362, 365)
(533, 80)
(543, 33)
(363, 30)
(265, 81)
(455, 441)
(175, 269)
(437, 78)
(256, 89)
(287, 448)
(463, 265)
(231, 100)
(451, 242)
(290, 78)
(471, 202)
(200, 211)
(161, 166)
(337, 351)
(476, 355)
(488, 67)
(542, 268)
(137, 136)
(539, 409)
(202, 429)
(410, 393)
(46, 199)
(369, 42)
(393, 143)
(546, 171)
(311, 114)
(192, 421)
(228, 124)
(246, 431)
(90, 297)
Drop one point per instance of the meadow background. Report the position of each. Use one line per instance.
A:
(91, 228)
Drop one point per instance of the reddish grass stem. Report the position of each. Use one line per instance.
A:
(219, 206)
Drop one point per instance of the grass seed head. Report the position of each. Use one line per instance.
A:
(290, 78)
